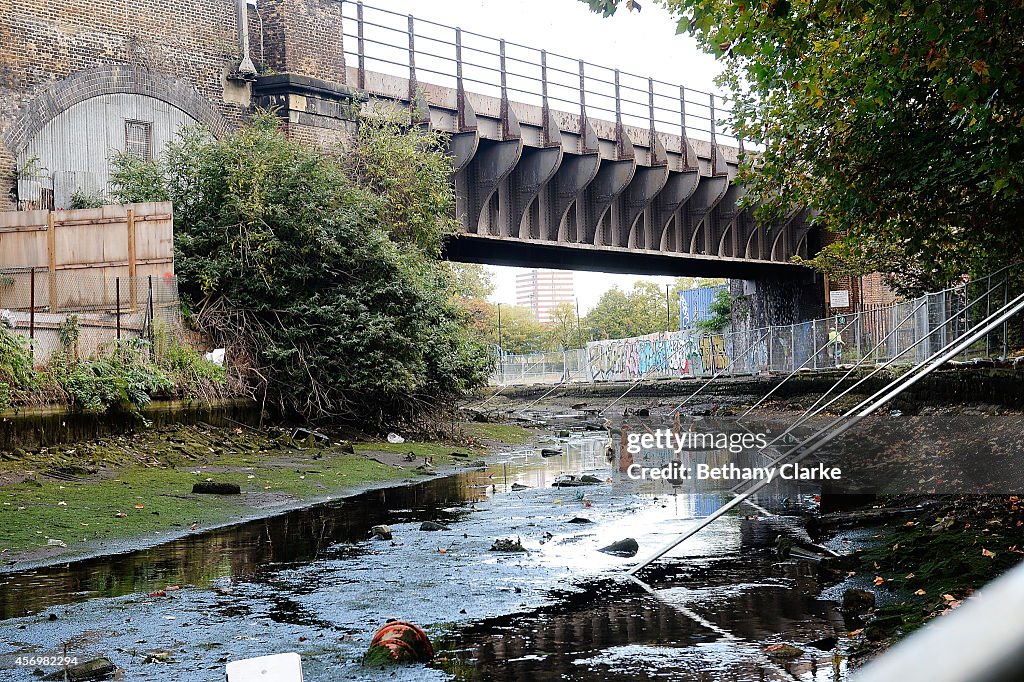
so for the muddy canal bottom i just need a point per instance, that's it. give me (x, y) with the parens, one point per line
(313, 582)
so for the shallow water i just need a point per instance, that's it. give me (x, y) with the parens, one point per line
(312, 581)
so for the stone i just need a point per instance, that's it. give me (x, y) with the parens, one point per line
(624, 548)
(520, 486)
(216, 488)
(783, 651)
(858, 601)
(432, 525)
(381, 532)
(579, 520)
(96, 669)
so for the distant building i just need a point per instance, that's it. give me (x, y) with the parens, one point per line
(542, 290)
(695, 305)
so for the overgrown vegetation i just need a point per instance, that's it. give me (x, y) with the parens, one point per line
(16, 373)
(316, 271)
(720, 313)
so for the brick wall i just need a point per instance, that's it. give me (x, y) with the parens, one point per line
(185, 48)
(304, 37)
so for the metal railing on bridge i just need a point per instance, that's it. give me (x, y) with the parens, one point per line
(426, 51)
(877, 335)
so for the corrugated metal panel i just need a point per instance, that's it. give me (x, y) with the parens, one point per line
(79, 142)
(695, 304)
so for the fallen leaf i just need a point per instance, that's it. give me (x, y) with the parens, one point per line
(920, 592)
(879, 580)
(987, 553)
(140, 506)
(158, 593)
(908, 576)
(120, 515)
(949, 597)
(855, 632)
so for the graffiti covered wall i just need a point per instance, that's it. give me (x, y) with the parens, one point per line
(662, 355)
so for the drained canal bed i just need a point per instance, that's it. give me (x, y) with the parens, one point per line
(313, 581)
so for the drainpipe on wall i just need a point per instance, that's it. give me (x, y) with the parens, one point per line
(245, 67)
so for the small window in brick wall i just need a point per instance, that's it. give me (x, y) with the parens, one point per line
(138, 139)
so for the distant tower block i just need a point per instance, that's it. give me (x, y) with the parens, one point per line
(542, 290)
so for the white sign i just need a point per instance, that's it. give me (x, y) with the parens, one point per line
(839, 298)
(278, 668)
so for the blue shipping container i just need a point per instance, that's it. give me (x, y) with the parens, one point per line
(695, 304)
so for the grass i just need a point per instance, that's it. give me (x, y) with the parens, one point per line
(503, 433)
(148, 478)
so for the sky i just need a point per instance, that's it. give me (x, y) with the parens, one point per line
(643, 43)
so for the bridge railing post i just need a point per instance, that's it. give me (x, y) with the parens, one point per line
(460, 87)
(650, 113)
(545, 108)
(583, 98)
(504, 88)
(361, 46)
(412, 60)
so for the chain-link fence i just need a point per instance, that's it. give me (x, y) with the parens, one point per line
(87, 309)
(901, 333)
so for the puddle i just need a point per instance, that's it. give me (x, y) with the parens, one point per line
(312, 581)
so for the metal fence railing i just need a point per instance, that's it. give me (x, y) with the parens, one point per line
(902, 333)
(38, 304)
(425, 51)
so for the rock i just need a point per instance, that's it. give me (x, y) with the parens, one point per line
(348, 449)
(858, 601)
(381, 532)
(564, 433)
(624, 548)
(507, 545)
(96, 669)
(431, 525)
(824, 644)
(477, 464)
(215, 488)
(578, 406)
(460, 455)
(783, 651)
(550, 452)
(579, 520)
(520, 486)
(590, 480)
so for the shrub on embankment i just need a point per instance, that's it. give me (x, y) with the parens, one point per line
(319, 272)
(124, 376)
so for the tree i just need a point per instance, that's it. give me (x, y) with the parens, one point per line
(521, 332)
(316, 272)
(472, 281)
(898, 123)
(562, 329)
(620, 314)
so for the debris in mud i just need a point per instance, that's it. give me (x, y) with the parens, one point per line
(520, 486)
(426, 469)
(312, 438)
(579, 519)
(570, 481)
(279, 667)
(783, 651)
(216, 488)
(431, 525)
(54, 542)
(507, 545)
(96, 669)
(158, 657)
(394, 438)
(624, 548)
(381, 532)
(399, 642)
(550, 452)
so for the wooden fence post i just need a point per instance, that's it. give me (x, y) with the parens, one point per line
(51, 255)
(132, 285)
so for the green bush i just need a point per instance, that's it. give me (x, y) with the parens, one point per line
(16, 373)
(123, 379)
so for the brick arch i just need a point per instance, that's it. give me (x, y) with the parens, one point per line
(107, 79)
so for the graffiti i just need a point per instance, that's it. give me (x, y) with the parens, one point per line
(664, 355)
